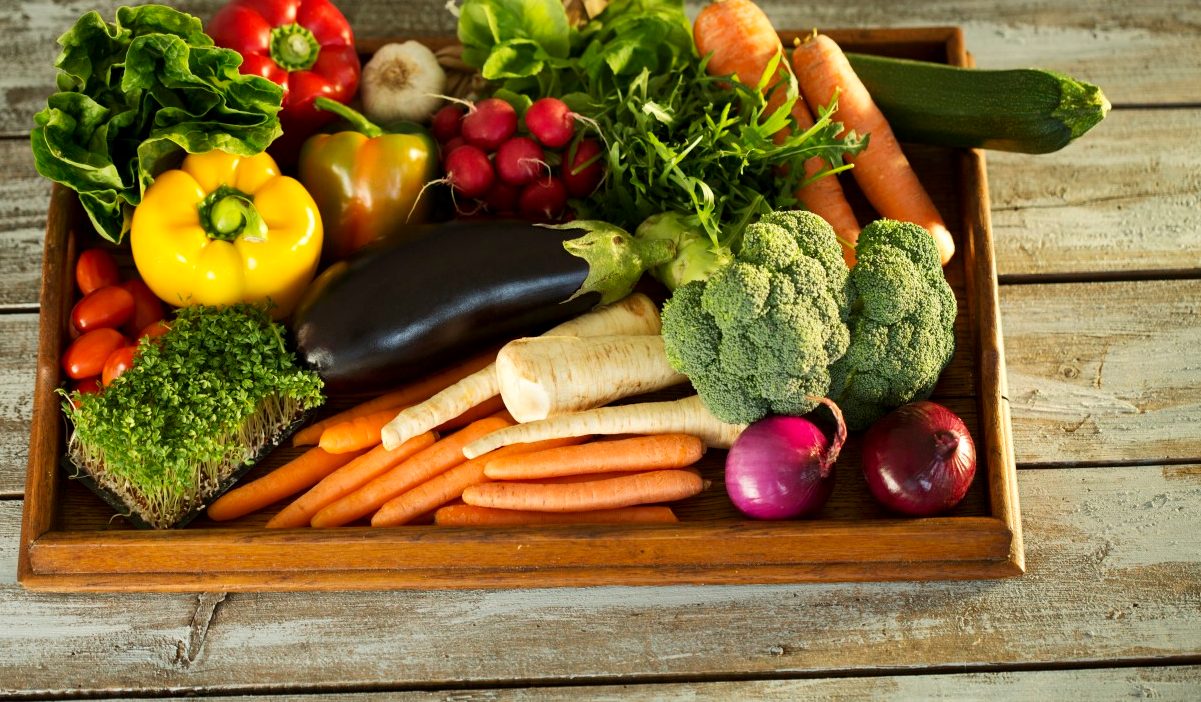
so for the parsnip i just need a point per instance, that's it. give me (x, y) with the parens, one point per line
(686, 416)
(545, 376)
(634, 314)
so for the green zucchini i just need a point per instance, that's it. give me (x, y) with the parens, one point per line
(1025, 110)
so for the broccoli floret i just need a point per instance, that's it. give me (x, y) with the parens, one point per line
(760, 334)
(902, 323)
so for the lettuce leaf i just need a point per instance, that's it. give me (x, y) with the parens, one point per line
(134, 96)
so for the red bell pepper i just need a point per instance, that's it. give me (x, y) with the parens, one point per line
(306, 46)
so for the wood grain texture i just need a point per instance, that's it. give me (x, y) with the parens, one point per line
(1125, 197)
(24, 196)
(18, 349)
(1115, 573)
(1104, 372)
(1160, 683)
(1139, 54)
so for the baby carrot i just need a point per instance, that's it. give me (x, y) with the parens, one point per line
(300, 473)
(449, 485)
(661, 451)
(611, 493)
(345, 480)
(356, 433)
(881, 169)
(418, 468)
(399, 398)
(470, 515)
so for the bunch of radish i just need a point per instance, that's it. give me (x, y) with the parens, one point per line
(495, 165)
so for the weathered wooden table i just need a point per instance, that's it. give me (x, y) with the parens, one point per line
(1099, 250)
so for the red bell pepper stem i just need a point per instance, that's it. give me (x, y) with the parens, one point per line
(360, 123)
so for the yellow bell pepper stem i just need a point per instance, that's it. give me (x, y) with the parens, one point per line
(223, 229)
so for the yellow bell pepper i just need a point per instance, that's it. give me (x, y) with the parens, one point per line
(223, 229)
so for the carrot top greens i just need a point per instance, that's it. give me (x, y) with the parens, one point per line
(204, 400)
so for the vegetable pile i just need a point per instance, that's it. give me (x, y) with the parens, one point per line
(704, 154)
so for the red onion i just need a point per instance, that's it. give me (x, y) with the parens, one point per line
(782, 467)
(919, 459)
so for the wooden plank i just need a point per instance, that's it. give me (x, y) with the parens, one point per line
(18, 352)
(1104, 372)
(1126, 197)
(26, 196)
(1114, 573)
(1160, 683)
(1146, 56)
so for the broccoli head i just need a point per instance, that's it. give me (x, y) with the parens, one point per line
(902, 323)
(760, 334)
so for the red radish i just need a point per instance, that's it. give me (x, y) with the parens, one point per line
(450, 145)
(491, 122)
(444, 125)
(502, 198)
(551, 122)
(469, 171)
(519, 160)
(543, 199)
(584, 168)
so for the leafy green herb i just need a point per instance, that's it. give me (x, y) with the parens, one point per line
(676, 139)
(137, 94)
(207, 398)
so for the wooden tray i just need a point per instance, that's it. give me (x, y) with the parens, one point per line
(71, 541)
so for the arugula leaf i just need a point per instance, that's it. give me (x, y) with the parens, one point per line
(134, 96)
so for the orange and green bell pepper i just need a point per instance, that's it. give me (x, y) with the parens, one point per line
(367, 182)
(223, 229)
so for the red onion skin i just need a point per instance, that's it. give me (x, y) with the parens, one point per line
(775, 470)
(919, 459)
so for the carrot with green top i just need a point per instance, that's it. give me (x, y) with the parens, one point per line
(740, 40)
(418, 468)
(470, 515)
(881, 170)
(301, 473)
(346, 480)
(610, 493)
(656, 452)
(449, 485)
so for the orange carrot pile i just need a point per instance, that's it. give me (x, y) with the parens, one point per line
(470, 515)
(299, 474)
(661, 451)
(609, 493)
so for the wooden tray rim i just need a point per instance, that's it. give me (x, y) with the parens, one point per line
(967, 547)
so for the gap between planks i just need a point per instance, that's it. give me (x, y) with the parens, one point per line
(647, 681)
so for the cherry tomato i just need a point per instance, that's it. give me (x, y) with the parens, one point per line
(117, 363)
(86, 355)
(147, 308)
(108, 307)
(154, 330)
(95, 269)
(88, 386)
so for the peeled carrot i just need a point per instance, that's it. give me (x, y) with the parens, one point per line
(346, 480)
(686, 416)
(881, 170)
(743, 42)
(611, 493)
(418, 468)
(399, 398)
(449, 485)
(470, 515)
(661, 451)
(300, 473)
